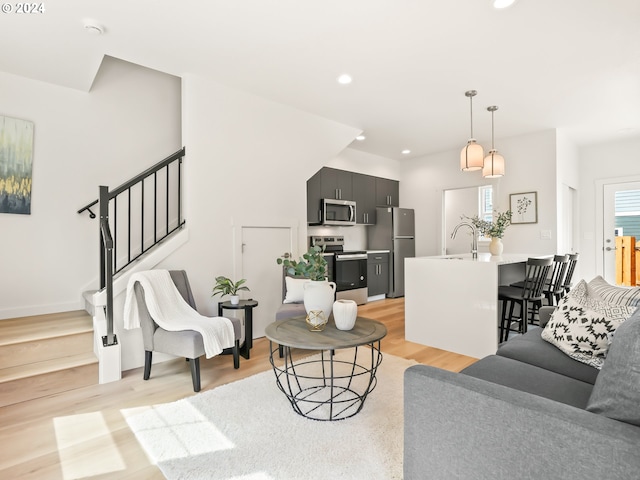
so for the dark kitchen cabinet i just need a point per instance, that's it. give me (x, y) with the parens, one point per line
(337, 184)
(387, 192)
(367, 191)
(364, 194)
(314, 198)
(378, 273)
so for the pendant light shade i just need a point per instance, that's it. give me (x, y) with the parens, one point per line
(494, 162)
(472, 155)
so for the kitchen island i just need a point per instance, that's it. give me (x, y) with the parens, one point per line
(451, 301)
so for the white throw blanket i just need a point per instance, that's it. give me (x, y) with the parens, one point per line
(171, 312)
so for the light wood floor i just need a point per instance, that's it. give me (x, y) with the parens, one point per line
(83, 433)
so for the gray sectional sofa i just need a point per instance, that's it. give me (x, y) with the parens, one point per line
(527, 412)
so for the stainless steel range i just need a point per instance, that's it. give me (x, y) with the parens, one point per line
(348, 269)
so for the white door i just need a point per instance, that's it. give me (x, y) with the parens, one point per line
(608, 226)
(261, 246)
(568, 222)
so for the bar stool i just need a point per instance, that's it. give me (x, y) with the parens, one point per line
(573, 260)
(554, 286)
(529, 296)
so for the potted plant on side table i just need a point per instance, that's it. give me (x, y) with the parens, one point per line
(226, 286)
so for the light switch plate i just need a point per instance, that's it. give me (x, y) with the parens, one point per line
(545, 234)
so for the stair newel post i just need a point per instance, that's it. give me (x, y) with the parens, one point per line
(106, 264)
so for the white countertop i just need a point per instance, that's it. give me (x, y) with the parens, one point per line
(503, 259)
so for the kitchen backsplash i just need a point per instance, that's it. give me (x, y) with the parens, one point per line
(355, 237)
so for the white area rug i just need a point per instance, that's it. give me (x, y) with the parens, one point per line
(247, 430)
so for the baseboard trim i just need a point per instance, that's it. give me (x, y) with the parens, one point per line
(40, 309)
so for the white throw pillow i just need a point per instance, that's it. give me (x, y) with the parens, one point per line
(295, 289)
(614, 293)
(584, 332)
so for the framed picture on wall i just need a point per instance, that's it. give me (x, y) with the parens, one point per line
(16, 160)
(524, 207)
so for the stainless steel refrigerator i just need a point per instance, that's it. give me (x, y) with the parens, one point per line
(394, 231)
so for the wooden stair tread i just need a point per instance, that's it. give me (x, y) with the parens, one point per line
(37, 327)
(47, 366)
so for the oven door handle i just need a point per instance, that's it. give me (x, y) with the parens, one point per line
(353, 256)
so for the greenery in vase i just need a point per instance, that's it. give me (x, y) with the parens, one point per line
(226, 286)
(311, 265)
(493, 229)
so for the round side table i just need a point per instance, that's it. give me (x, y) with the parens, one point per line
(247, 306)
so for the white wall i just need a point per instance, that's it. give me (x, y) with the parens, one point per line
(612, 160)
(530, 167)
(128, 121)
(367, 163)
(248, 160)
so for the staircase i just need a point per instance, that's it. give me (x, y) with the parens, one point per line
(46, 354)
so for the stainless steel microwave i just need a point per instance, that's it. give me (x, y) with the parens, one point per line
(338, 212)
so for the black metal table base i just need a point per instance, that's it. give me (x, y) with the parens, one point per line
(327, 388)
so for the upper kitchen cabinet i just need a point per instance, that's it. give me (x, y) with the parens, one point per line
(314, 199)
(336, 184)
(364, 194)
(367, 191)
(327, 183)
(387, 192)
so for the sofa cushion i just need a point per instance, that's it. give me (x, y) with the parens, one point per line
(294, 289)
(531, 379)
(616, 393)
(532, 349)
(585, 333)
(288, 310)
(615, 294)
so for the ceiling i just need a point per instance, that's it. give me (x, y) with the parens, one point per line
(571, 64)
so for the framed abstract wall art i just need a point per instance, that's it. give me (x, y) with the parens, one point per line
(524, 207)
(16, 161)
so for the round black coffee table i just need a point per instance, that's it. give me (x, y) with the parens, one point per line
(333, 384)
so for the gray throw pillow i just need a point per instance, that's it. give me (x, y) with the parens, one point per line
(616, 393)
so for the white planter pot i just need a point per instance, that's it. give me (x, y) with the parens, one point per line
(319, 295)
(235, 299)
(496, 246)
(345, 313)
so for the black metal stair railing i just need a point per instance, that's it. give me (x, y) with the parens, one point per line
(134, 218)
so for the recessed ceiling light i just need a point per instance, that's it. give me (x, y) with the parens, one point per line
(406, 151)
(502, 3)
(93, 28)
(345, 79)
(360, 138)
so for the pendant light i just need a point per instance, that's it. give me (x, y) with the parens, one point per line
(494, 162)
(472, 155)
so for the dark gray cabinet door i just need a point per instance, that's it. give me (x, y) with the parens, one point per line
(337, 184)
(378, 274)
(387, 192)
(364, 194)
(314, 198)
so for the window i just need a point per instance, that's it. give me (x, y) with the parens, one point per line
(628, 213)
(486, 203)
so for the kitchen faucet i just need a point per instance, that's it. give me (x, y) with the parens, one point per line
(474, 240)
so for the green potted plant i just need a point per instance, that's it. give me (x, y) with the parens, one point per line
(318, 293)
(311, 265)
(494, 230)
(226, 286)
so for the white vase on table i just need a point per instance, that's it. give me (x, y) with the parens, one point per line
(319, 295)
(496, 246)
(345, 313)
